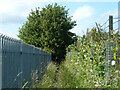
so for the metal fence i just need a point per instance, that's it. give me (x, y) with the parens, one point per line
(18, 60)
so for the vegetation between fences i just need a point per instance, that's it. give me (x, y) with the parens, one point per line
(86, 65)
(84, 68)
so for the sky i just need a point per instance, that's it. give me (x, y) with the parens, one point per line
(14, 13)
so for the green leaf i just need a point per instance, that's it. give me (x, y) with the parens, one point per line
(49, 28)
(114, 55)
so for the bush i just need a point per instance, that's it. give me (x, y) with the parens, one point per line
(84, 68)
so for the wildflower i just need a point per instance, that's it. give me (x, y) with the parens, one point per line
(83, 50)
(77, 60)
(84, 55)
(90, 70)
(92, 75)
(95, 45)
(116, 71)
(78, 57)
(95, 82)
(71, 60)
(113, 62)
(96, 85)
(76, 63)
(108, 61)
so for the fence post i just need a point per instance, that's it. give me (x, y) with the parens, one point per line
(118, 67)
(21, 63)
(110, 26)
(34, 58)
(0, 62)
(119, 57)
(110, 47)
(109, 52)
(118, 42)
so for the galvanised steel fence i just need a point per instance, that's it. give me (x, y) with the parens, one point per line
(18, 61)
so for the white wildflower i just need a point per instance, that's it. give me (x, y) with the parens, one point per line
(77, 60)
(92, 75)
(113, 62)
(96, 82)
(108, 61)
(76, 63)
(96, 85)
(84, 55)
(83, 50)
(90, 70)
(78, 57)
(71, 60)
(95, 45)
(116, 71)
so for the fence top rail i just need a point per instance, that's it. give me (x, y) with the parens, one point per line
(5, 37)
(9, 38)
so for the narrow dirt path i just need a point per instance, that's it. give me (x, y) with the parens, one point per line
(56, 73)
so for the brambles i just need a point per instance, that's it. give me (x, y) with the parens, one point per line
(85, 66)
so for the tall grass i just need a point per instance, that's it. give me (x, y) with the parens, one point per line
(82, 69)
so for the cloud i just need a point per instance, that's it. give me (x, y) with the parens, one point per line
(17, 10)
(13, 19)
(89, 22)
(83, 13)
(101, 19)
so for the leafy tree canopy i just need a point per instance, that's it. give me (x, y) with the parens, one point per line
(49, 29)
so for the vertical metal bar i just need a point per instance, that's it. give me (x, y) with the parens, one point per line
(119, 17)
(118, 43)
(21, 63)
(110, 46)
(110, 26)
(0, 62)
(10, 47)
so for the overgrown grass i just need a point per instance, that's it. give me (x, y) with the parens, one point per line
(82, 69)
(48, 79)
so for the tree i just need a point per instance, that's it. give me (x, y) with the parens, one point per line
(49, 29)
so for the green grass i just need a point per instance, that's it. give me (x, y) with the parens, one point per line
(78, 71)
(48, 79)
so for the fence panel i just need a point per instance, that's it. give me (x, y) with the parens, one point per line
(18, 61)
(0, 61)
(110, 61)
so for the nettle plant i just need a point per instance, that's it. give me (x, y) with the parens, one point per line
(87, 63)
(87, 60)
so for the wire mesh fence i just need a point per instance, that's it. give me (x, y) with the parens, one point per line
(18, 60)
